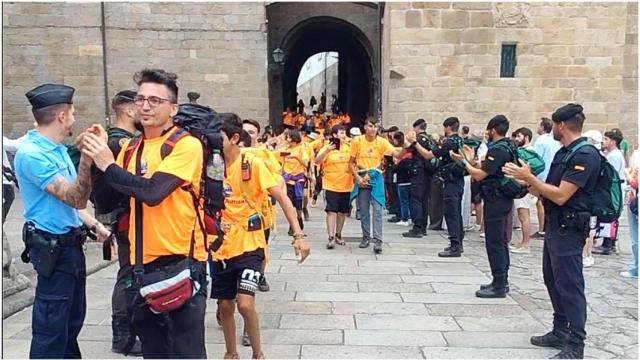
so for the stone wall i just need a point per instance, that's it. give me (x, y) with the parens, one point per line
(217, 49)
(315, 87)
(444, 59)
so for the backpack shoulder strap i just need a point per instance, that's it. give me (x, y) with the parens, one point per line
(134, 143)
(573, 150)
(177, 134)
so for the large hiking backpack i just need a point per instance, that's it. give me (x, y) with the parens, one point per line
(606, 202)
(509, 187)
(202, 123)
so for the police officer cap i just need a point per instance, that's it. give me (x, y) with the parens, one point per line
(566, 112)
(497, 120)
(50, 94)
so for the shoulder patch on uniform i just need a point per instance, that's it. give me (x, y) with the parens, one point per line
(122, 141)
(489, 157)
(578, 168)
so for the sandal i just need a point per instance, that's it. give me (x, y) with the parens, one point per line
(231, 356)
(331, 243)
(339, 240)
(259, 356)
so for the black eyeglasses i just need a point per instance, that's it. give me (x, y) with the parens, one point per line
(152, 100)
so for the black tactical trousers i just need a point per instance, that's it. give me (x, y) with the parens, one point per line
(417, 196)
(496, 227)
(453, 211)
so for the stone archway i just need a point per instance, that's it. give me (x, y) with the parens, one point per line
(351, 29)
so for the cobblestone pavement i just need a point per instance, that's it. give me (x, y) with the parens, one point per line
(403, 303)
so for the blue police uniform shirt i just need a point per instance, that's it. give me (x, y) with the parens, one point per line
(37, 163)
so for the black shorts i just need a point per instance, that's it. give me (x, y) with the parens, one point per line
(240, 275)
(291, 193)
(337, 202)
(476, 196)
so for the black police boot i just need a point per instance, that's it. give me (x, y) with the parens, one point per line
(450, 252)
(573, 349)
(605, 248)
(497, 289)
(413, 233)
(120, 341)
(486, 286)
(555, 339)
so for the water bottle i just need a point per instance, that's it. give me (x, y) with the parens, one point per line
(215, 167)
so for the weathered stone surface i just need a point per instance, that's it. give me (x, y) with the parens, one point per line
(364, 352)
(347, 296)
(486, 353)
(405, 322)
(378, 308)
(489, 339)
(393, 338)
(320, 322)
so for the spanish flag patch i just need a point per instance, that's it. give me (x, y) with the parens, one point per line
(578, 167)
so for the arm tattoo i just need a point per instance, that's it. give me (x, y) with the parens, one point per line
(75, 193)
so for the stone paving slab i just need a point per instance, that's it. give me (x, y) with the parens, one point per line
(485, 353)
(379, 308)
(405, 322)
(490, 339)
(452, 299)
(347, 296)
(360, 352)
(320, 322)
(393, 338)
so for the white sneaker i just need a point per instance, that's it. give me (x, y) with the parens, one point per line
(521, 250)
(588, 261)
(403, 223)
(627, 274)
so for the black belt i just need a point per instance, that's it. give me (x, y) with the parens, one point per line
(75, 237)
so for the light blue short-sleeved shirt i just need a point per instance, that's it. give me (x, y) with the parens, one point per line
(546, 146)
(37, 163)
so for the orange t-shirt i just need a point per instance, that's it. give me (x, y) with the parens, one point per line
(369, 154)
(336, 172)
(234, 222)
(287, 118)
(293, 166)
(167, 227)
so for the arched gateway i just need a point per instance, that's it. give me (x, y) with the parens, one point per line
(301, 30)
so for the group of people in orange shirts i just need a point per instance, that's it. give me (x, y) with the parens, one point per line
(318, 121)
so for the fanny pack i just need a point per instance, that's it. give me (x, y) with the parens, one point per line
(170, 286)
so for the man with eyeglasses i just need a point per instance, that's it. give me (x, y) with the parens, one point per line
(163, 215)
(114, 213)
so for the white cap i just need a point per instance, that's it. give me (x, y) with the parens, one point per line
(355, 131)
(594, 137)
